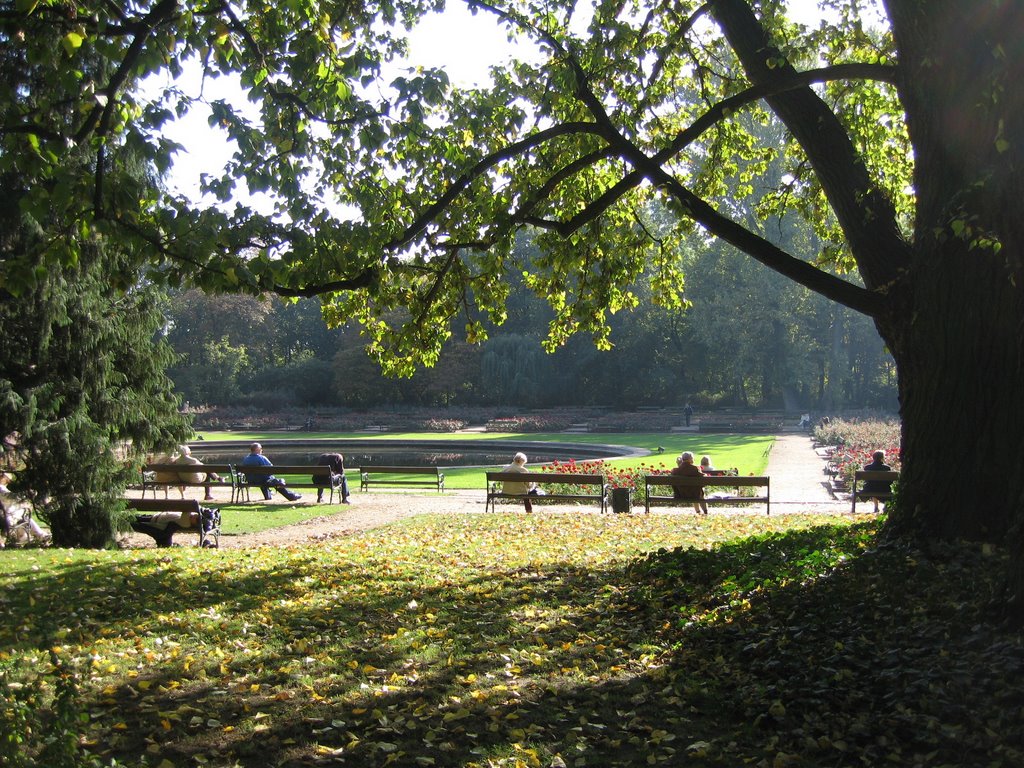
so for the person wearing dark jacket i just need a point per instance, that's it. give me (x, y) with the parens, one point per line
(685, 467)
(337, 464)
(877, 486)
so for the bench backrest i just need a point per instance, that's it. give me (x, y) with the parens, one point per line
(163, 505)
(189, 469)
(874, 474)
(545, 477)
(314, 470)
(401, 470)
(730, 481)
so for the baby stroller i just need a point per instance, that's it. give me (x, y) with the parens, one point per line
(209, 527)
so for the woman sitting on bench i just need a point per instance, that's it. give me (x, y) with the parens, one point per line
(685, 468)
(519, 465)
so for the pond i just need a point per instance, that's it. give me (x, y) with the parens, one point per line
(453, 453)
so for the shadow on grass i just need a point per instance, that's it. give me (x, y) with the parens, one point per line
(804, 648)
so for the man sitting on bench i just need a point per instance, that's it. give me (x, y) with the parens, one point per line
(265, 482)
(876, 486)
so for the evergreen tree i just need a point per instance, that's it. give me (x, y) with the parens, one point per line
(83, 395)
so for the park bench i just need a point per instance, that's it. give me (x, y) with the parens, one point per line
(427, 477)
(652, 483)
(317, 476)
(495, 480)
(150, 473)
(208, 527)
(864, 475)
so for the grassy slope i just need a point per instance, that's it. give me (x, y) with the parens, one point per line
(510, 640)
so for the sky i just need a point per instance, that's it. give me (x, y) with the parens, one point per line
(463, 44)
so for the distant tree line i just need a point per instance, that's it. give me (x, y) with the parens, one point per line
(749, 338)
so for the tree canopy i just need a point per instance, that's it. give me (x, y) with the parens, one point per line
(406, 195)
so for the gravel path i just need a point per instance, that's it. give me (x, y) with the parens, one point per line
(798, 485)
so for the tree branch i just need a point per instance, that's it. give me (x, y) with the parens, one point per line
(792, 81)
(460, 184)
(363, 279)
(773, 257)
(866, 215)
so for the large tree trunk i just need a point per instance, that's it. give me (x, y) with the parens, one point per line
(951, 304)
(961, 402)
(957, 329)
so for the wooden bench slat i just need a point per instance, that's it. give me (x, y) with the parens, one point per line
(714, 481)
(385, 475)
(870, 474)
(494, 492)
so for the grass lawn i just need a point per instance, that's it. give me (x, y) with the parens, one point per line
(748, 453)
(256, 517)
(506, 640)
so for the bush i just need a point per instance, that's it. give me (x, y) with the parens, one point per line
(41, 732)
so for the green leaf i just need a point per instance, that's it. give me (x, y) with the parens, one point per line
(72, 42)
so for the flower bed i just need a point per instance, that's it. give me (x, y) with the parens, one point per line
(531, 422)
(853, 443)
(616, 478)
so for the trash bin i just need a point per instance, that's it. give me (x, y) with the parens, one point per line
(622, 500)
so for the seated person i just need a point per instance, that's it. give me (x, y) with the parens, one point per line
(686, 468)
(337, 464)
(519, 465)
(265, 482)
(876, 486)
(186, 457)
(166, 479)
(16, 518)
(707, 469)
(163, 525)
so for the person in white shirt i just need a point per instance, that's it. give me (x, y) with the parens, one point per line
(518, 465)
(18, 521)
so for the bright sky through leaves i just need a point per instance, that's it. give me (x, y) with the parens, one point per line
(465, 45)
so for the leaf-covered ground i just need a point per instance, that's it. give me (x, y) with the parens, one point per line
(543, 640)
